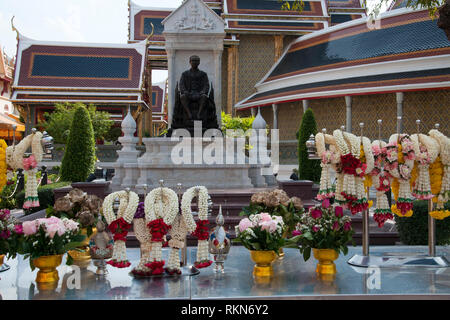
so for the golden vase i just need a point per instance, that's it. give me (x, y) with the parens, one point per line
(47, 277)
(326, 259)
(2, 257)
(263, 262)
(82, 256)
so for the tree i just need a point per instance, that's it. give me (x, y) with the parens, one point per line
(58, 123)
(79, 158)
(433, 6)
(307, 169)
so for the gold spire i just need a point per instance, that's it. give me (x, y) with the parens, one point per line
(14, 28)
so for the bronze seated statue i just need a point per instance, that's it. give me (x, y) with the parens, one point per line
(194, 101)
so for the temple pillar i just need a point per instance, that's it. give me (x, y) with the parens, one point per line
(305, 105)
(275, 116)
(278, 40)
(399, 98)
(348, 114)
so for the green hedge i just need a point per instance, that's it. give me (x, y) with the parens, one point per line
(307, 169)
(46, 196)
(79, 158)
(414, 230)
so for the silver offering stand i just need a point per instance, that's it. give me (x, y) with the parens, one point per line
(221, 249)
(394, 259)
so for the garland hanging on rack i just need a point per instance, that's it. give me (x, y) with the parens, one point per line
(380, 179)
(119, 224)
(400, 158)
(16, 159)
(161, 210)
(426, 150)
(329, 158)
(200, 228)
(353, 171)
(444, 193)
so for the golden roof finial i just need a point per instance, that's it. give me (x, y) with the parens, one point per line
(151, 34)
(14, 28)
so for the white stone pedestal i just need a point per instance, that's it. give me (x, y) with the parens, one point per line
(159, 163)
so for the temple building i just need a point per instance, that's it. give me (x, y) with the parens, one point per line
(257, 33)
(397, 66)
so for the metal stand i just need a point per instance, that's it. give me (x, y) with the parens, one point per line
(400, 259)
(4, 267)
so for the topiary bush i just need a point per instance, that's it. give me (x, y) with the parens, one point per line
(414, 230)
(46, 196)
(79, 158)
(307, 169)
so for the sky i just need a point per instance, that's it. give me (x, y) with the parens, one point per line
(96, 21)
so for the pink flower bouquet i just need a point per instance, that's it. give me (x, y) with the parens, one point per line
(261, 232)
(50, 236)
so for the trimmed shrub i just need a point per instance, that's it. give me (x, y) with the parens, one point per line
(45, 194)
(414, 230)
(307, 169)
(79, 158)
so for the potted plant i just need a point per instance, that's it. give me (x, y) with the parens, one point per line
(10, 232)
(276, 203)
(44, 242)
(262, 234)
(327, 231)
(82, 208)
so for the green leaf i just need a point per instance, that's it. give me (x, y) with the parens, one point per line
(69, 261)
(306, 253)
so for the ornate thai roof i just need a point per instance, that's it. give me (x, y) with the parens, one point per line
(251, 16)
(48, 72)
(158, 101)
(405, 51)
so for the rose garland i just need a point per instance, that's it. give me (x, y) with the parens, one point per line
(161, 210)
(15, 160)
(426, 150)
(120, 224)
(328, 157)
(353, 171)
(400, 158)
(444, 193)
(201, 229)
(380, 179)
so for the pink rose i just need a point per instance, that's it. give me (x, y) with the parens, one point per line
(326, 203)
(347, 226)
(265, 216)
(316, 213)
(52, 220)
(29, 228)
(18, 228)
(335, 226)
(244, 224)
(296, 233)
(52, 229)
(339, 212)
(270, 226)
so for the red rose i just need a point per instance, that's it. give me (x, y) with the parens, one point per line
(201, 232)
(120, 229)
(158, 229)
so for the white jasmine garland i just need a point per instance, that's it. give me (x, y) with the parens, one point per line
(129, 202)
(160, 203)
(202, 195)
